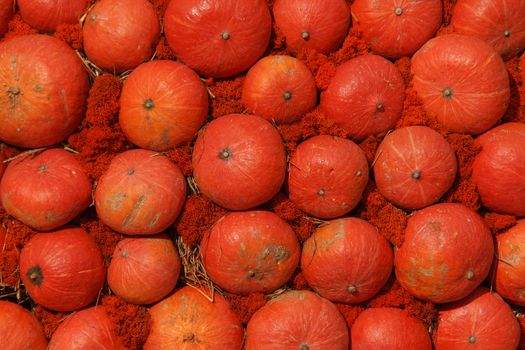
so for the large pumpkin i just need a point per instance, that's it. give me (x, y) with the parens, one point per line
(218, 38)
(19, 329)
(188, 320)
(396, 28)
(446, 254)
(462, 82)
(45, 191)
(327, 176)
(497, 168)
(163, 104)
(297, 320)
(47, 15)
(248, 252)
(239, 161)
(141, 193)
(365, 97)
(45, 90)
(346, 260)
(7, 10)
(62, 270)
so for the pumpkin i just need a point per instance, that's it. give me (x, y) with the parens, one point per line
(312, 24)
(480, 321)
(279, 88)
(496, 169)
(388, 328)
(144, 270)
(297, 320)
(163, 104)
(218, 38)
(19, 329)
(46, 88)
(346, 260)
(189, 320)
(414, 167)
(45, 191)
(62, 270)
(500, 23)
(327, 176)
(250, 252)
(397, 28)
(7, 10)
(118, 35)
(462, 82)
(239, 161)
(446, 254)
(365, 97)
(47, 15)
(86, 329)
(141, 193)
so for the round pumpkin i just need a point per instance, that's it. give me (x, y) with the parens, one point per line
(297, 320)
(218, 38)
(509, 280)
(365, 97)
(312, 24)
(414, 167)
(462, 82)
(397, 28)
(500, 23)
(46, 191)
(144, 270)
(250, 252)
(189, 320)
(162, 105)
(480, 321)
(141, 193)
(47, 15)
(19, 329)
(446, 254)
(45, 93)
(388, 328)
(279, 88)
(239, 161)
(62, 270)
(86, 329)
(7, 10)
(497, 168)
(327, 176)
(346, 260)
(119, 35)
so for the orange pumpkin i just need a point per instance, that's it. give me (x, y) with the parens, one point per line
(19, 329)
(47, 15)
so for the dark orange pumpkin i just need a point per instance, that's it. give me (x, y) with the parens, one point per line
(279, 88)
(414, 167)
(346, 260)
(7, 10)
(163, 104)
(19, 329)
(297, 320)
(327, 176)
(45, 93)
(218, 38)
(47, 15)
(314, 24)
(239, 161)
(188, 320)
(462, 82)
(249, 252)
(447, 253)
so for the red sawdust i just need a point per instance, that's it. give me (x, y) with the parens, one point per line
(71, 34)
(403, 65)
(349, 312)
(246, 306)
(50, 320)
(369, 147)
(226, 96)
(18, 27)
(298, 282)
(132, 322)
(516, 109)
(181, 156)
(163, 51)
(499, 223)
(448, 7)
(106, 238)
(302, 226)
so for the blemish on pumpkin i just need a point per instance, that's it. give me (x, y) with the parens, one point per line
(42, 168)
(117, 200)
(132, 215)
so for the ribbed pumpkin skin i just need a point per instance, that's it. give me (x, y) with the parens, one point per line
(297, 319)
(19, 329)
(500, 23)
(496, 169)
(47, 89)
(47, 15)
(480, 321)
(462, 82)
(188, 320)
(347, 260)
(218, 38)
(397, 28)
(447, 253)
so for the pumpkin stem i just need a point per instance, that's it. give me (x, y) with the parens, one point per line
(359, 173)
(506, 33)
(131, 172)
(321, 192)
(470, 275)
(251, 274)
(42, 168)
(398, 11)
(148, 104)
(380, 107)
(305, 35)
(35, 275)
(13, 90)
(447, 93)
(304, 347)
(189, 337)
(225, 35)
(352, 289)
(416, 174)
(287, 95)
(472, 339)
(225, 154)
